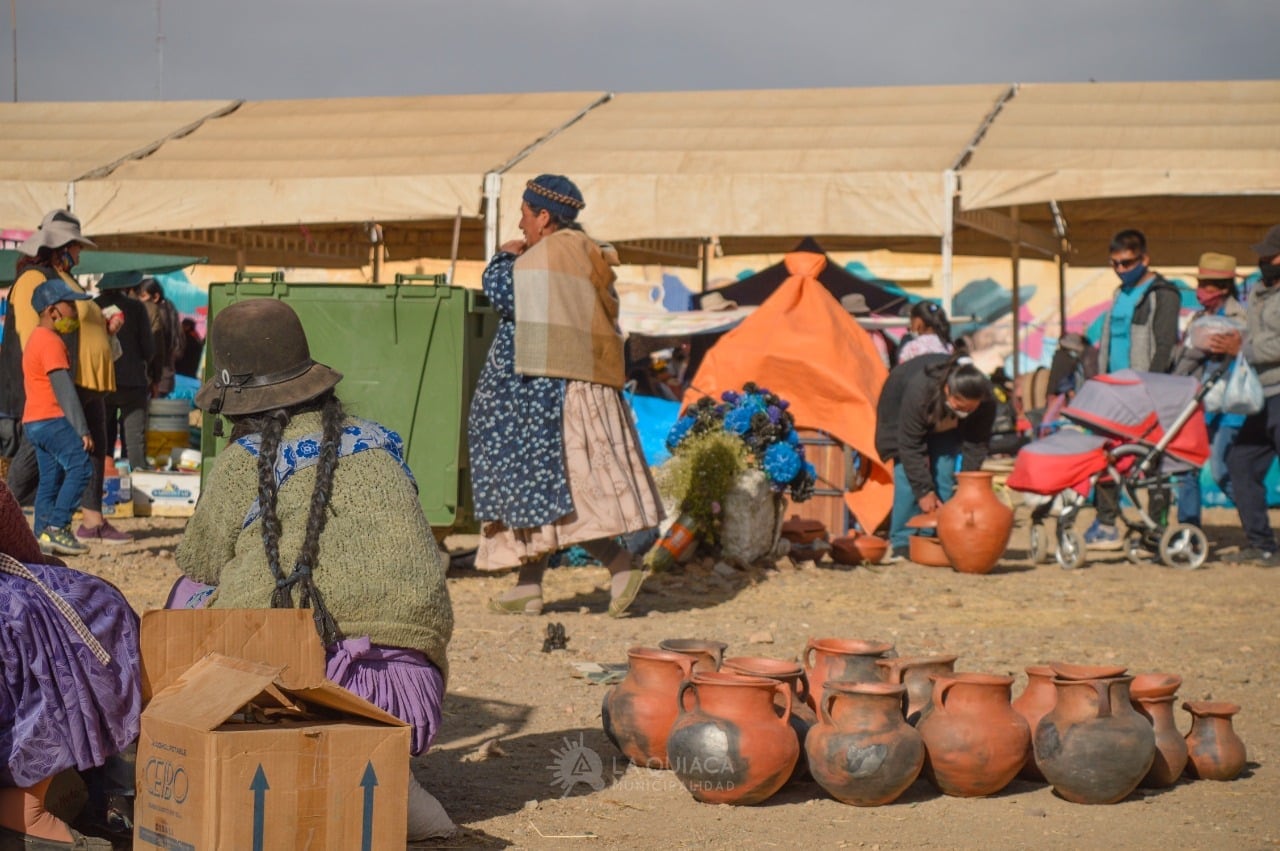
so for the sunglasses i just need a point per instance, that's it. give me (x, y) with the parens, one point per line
(1126, 264)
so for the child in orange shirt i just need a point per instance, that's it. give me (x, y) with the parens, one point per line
(53, 420)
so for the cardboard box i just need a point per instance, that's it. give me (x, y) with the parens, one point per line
(238, 754)
(165, 494)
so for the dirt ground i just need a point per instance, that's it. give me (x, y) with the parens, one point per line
(1216, 627)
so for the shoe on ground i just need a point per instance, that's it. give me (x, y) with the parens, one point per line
(60, 542)
(104, 534)
(896, 555)
(1100, 537)
(1253, 555)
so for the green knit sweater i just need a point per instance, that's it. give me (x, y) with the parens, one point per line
(378, 568)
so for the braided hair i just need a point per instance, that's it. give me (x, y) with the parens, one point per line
(270, 425)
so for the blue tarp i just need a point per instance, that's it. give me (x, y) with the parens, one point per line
(654, 419)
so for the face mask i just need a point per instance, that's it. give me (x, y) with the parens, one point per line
(1270, 271)
(66, 324)
(958, 414)
(1132, 276)
(1210, 298)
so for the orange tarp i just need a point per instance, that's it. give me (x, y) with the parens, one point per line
(802, 345)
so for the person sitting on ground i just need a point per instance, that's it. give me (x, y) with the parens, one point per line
(933, 411)
(931, 332)
(70, 697)
(53, 420)
(310, 507)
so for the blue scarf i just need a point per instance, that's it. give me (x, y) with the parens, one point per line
(302, 452)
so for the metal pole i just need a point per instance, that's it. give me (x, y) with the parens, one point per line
(949, 188)
(1062, 296)
(1016, 256)
(492, 192)
(708, 250)
(457, 237)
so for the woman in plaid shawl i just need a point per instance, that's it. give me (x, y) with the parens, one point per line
(555, 459)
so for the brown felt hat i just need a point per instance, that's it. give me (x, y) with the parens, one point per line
(261, 361)
(1216, 267)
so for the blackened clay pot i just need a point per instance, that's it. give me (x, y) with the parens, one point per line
(862, 751)
(638, 712)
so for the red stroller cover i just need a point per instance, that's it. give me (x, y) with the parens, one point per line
(1064, 459)
(1141, 407)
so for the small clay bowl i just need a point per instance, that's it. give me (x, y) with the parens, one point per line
(857, 549)
(923, 521)
(1069, 671)
(707, 654)
(927, 550)
(1154, 685)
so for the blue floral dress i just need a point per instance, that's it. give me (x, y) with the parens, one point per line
(515, 431)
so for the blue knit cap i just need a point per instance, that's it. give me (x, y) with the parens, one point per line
(556, 194)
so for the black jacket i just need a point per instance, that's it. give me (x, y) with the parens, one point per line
(137, 346)
(904, 422)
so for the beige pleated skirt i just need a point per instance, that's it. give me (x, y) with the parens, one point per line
(612, 489)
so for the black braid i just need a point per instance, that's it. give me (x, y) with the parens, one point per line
(317, 516)
(271, 429)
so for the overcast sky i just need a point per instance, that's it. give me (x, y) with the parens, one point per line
(265, 49)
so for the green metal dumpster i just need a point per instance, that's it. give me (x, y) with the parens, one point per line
(410, 354)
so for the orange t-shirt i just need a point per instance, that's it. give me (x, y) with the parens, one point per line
(43, 353)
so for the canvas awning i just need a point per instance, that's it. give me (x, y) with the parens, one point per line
(1195, 165)
(104, 262)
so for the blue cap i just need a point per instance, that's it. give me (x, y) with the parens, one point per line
(556, 194)
(53, 291)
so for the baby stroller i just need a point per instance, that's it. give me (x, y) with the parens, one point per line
(1144, 430)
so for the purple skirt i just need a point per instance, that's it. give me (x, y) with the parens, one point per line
(61, 706)
(403, 683)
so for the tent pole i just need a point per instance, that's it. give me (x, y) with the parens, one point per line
(375, 232)
(1016, 257)
(707, 251)
(948, 235)
(453, 252)
(1062, 296)
(492, 192)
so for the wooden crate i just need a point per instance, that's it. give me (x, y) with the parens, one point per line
(833, 462)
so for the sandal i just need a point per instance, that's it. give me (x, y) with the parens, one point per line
(618, 605)
(531, 605)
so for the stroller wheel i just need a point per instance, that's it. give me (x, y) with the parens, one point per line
(1133, 549)
(1184, 547)
(1039, 544)
(1070, 553)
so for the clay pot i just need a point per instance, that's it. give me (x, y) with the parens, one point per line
(802, 532)
(1153, 696)
(1093, 746)
(1154, 685)
(1033, 704)
(861, 750)
(802, 717)
(1214, 751)
(859, 549)
(1069, 671)
(705, 653)
(848, 659)
(916, 673)
(638, 712)
(728, 745)
(974, 741)
(974, 525)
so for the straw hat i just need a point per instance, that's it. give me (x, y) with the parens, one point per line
(59, 228)
(856, 303)
(717, 301)
(261, 361)
(1216, 267)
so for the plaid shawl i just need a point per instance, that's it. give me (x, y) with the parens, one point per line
(567, 310)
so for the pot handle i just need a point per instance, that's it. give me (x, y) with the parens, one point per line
(940, 689)
(1103, 688)
(824, 708)
(685, 687)
(803, 691)
(809, 648)
(786, 692)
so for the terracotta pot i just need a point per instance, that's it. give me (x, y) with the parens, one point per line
(861, 750)
(927, 550)
(801, 531)
(1154, 685)
(974, 525)
(974, 741)
(859, 549)
(848, 659)
(1069, 671)
(1093, 746)
(728, 745)
(706, 654)
(1214, 751)
(791, 673)
(1033, 704)
(638, 712)
(1171, 747)
(916, 673)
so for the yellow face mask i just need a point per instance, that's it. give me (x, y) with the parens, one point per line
(67, 324)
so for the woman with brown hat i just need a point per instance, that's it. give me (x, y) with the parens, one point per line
(70, 694)
(53, 250)
(555, 459)
(310, 507)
